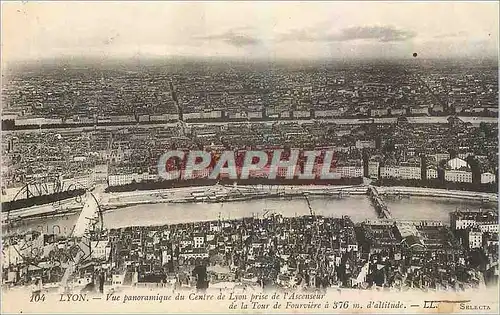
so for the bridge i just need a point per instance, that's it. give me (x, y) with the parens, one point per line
(84, 227)
(380, 206)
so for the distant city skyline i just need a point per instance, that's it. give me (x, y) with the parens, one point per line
(249, 30)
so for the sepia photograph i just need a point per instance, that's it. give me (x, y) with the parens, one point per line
(249, 157)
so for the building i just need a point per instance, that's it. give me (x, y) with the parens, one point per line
(100, 249)
(463, 223)
(475, 239)
(361, 144)
(437, 108)
(189, 116)
(373, 168)
(165, 117)
(350, 171)
(328, 113)
(398, 111)
(198, 240)
(196, 253)
(165, 257)
(117, 279)
(285, 114)
(410, 236)
(461, 220)
(236, 115)
(125, 179)
(214, 114)
(419, 110)
(457, 163)
(487, 178)
(301, 114)
(389, 172)
(458, 176)
(254, 115)
(488, 228)
(431, 173)
(401, 172)
(440, 156)
(378, 112)
(410, 172)
(12, 256)
(413, 242)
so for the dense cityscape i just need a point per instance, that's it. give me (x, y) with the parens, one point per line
(417, 123)
(407, 128)
(274, 251)
(249, 157)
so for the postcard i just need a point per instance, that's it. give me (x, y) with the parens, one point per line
(249, 157)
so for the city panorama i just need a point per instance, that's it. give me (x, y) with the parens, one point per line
(355, 158)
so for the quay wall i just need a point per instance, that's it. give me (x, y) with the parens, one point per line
(434, 192)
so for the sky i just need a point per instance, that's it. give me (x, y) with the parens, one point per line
(269, 30)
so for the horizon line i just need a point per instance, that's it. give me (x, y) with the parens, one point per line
(135, 59)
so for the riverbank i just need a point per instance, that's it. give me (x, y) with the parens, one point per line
(219, 194)
(41, 123)
(236, 193)
(437, 193)
(223, 194)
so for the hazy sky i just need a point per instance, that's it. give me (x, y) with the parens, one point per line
(33, 30)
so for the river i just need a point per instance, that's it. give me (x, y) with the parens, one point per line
(357, 207)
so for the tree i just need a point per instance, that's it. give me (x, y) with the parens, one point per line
(485, 129)
(200, 271)
(475, 168)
